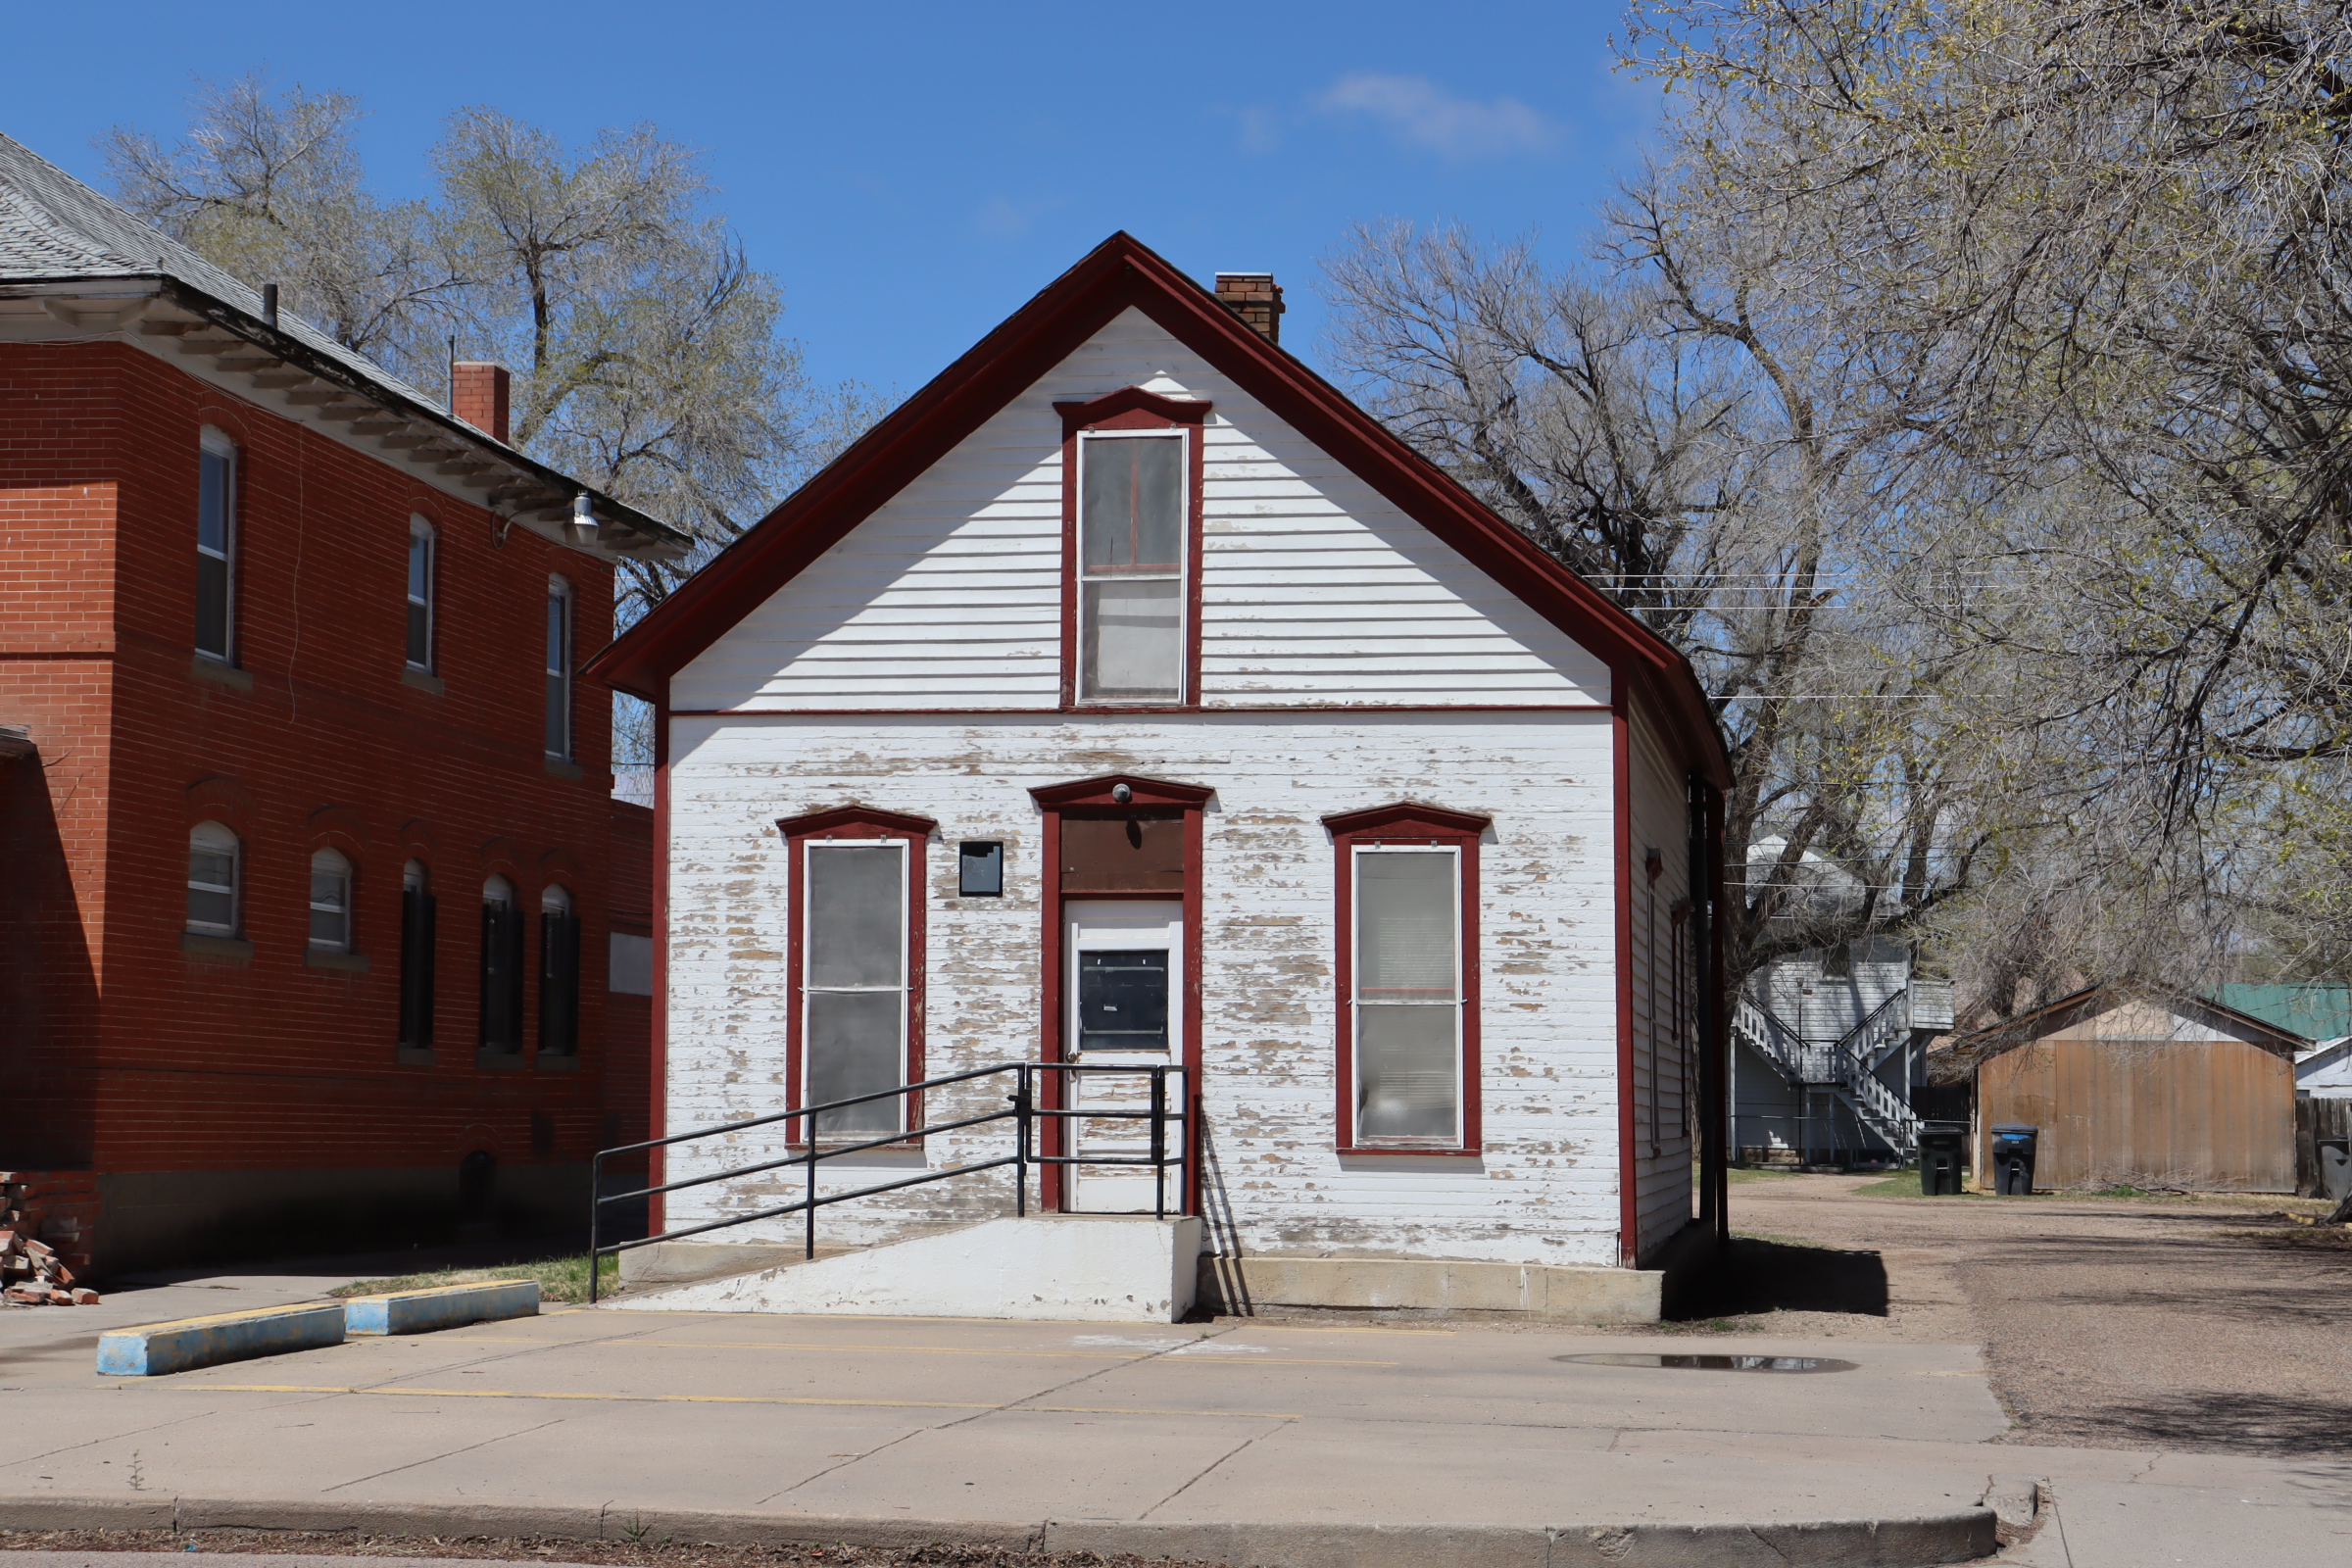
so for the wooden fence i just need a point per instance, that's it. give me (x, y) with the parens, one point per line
(2316, 1119)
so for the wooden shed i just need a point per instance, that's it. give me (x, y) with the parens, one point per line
(2153, 1088)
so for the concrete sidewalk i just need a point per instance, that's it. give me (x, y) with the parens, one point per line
(1267, 1443)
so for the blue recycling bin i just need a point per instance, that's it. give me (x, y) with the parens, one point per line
(2014, 1147)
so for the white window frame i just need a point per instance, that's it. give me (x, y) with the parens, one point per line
(560, 608)
(422, 530)
(234, 889)
(350, 876)
(1182, 576)
(220, 443)
(1355, 998)
(904, 986)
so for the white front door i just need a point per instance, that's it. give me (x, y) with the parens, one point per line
(1124, 1002)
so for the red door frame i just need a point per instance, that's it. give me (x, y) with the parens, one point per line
(1093, 797)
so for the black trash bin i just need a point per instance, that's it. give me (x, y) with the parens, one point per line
(2014, 1146)
(1943, 1153)
(2335, 1168)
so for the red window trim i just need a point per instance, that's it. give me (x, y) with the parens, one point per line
(1084, 797)
(855, 822)
(1405, 823)
(1132, 408)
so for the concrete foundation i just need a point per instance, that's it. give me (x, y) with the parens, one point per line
(1240, 1286)
(1064, 1267)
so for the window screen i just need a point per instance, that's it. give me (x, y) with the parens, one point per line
(1407, 996)
(1131, 568)
(559, 974)
(215, 542)
(854, 981)
(502, 968)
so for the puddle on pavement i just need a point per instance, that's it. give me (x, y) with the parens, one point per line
(1715, 1364)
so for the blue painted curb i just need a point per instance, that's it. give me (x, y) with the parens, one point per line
(443, 1306)
(155, 1349)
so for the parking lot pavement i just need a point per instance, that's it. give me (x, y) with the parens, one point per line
(1177, 1439)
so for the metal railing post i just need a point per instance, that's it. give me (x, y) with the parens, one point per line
(596, 1213)
(1020, 1143)
(1159, 1143)
(810, 1134)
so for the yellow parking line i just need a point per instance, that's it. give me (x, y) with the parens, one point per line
(1184, 1354)
(722, 1399)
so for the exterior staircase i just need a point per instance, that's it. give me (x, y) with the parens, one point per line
(1846, 1068)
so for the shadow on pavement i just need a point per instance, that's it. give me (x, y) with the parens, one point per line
(2276, 1426)
(1757, 1275)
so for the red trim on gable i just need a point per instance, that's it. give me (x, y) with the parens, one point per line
(657, 1160)
(1118, 275)
(1144, 792)
(820, 825)
(1406, 818)
(1131, 408)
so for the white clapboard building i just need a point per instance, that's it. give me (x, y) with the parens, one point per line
(1130, 698)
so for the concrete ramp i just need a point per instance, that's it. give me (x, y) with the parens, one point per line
(1090, 1268)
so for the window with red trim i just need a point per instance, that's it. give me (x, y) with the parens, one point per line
(1407, 972)
(855, 968)
(1132, 478)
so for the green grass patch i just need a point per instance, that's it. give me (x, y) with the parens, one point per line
(561, 1278)
(1902, 1184)
(1783, 1241)
(1755, 1173)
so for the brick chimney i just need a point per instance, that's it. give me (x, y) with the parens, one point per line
(478, 395)
(1257, 299)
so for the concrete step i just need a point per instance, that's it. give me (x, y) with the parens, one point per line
(1094, 1268)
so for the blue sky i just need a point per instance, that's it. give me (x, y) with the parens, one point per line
(912, 173)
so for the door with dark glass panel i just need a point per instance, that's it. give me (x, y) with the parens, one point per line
(1124, 996)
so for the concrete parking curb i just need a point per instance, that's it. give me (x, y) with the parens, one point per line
(440, 1306)
(1927, 1541)
(155, 1350)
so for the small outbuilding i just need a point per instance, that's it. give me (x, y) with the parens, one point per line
(2151, 1087)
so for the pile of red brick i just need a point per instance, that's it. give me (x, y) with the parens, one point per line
(34, 1273)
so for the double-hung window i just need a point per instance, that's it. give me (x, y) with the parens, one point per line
(1133, 501)
(213, 854)
(856, 967)
(421, 594)
(418, 919)
(1408, 977)
(558, 973)
(330, 901)
(216, 548)
(558, 668)
(500, 970)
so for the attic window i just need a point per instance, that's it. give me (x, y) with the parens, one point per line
(1130, 566)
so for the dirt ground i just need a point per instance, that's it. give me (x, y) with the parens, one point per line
(2207, 1325)
(596, 1554)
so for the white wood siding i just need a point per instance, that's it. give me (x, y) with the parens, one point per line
(1314, 589)
(1544, 1190)
(1664, 1067)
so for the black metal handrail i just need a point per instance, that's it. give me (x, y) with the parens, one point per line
(1022, 1111)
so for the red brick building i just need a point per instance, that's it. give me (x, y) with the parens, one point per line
(318, 924)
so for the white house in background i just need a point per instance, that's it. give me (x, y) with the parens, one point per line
(1130, 696)
(2324, 1071)
(1829, 1046)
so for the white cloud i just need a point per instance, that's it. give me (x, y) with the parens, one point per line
(1421, 114)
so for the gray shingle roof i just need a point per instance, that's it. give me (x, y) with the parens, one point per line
(54, 228)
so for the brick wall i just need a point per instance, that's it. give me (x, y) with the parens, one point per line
(153, 1059)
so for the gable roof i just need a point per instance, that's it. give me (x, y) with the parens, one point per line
(55, 230)
(1122, 274)
(1953, 1064)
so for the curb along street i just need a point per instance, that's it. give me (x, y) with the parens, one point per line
(1922, 1542)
